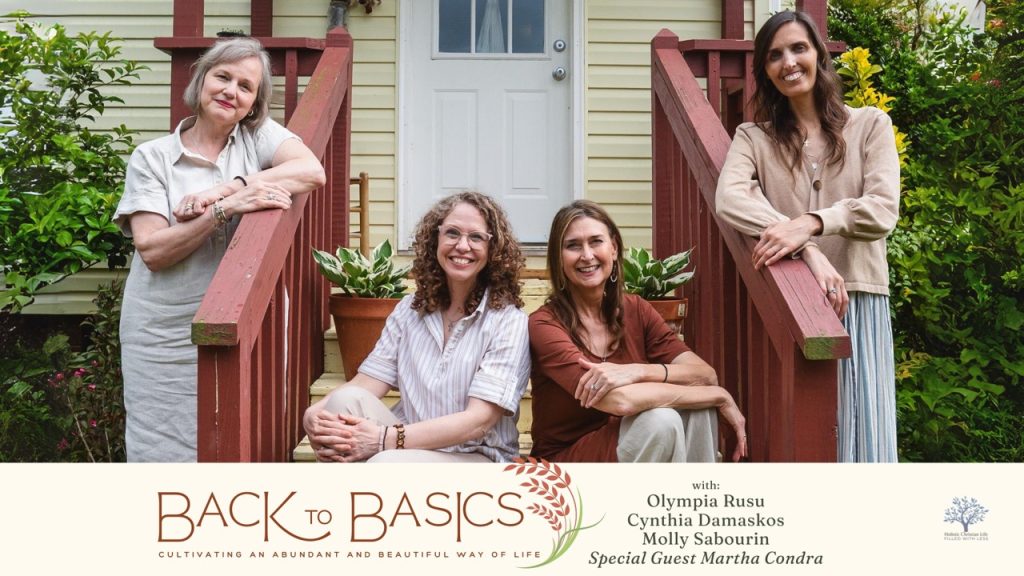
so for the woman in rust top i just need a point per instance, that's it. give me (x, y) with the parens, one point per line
(611, 381)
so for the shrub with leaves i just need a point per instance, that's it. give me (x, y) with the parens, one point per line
(855, 67)
(651, 278)
(357, 275)
(59, 180)
(60, 405)
(957, 255)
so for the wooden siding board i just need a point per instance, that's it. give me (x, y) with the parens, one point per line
(616, 100)
(374, 74)
(653, 10)
(616, 123)
(619, 77)
(608, 192)
(374, 144)
(374, 97)
(372, 121)
(619, 169)
(641, 32)
(619, 146)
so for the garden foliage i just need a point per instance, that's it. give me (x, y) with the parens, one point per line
(59, 180)
(60, 405)
(956, 255)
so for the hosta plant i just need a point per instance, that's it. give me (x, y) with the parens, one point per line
(357, 275)
(651, 278)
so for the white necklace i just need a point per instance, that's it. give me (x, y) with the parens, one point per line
(813, 159)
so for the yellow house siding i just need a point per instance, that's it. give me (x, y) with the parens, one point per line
(374, 118)
(618, 100)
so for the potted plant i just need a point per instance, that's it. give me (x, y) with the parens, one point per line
(370, 290)
(656, 281)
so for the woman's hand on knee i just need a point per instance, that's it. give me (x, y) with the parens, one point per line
(327, 433)
(360, 438)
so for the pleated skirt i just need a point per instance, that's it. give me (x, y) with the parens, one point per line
(867, 383)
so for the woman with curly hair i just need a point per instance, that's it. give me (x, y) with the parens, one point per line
(457, 349)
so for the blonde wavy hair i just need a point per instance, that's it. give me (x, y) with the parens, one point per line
(504, 258)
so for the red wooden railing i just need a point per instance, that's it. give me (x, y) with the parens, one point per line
(260, 326)
(769, 334)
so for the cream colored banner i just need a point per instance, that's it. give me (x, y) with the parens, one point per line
(486, 519)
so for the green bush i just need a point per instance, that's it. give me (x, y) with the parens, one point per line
(59, 180)
(956, 255)
(61, 405)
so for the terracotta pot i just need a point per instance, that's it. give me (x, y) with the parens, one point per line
(673, 311)
(359, 323)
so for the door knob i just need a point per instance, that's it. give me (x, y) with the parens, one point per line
(559, 73)
(559, 45)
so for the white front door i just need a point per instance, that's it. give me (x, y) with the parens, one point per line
(487, 107)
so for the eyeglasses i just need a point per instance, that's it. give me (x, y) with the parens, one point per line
(452, 235)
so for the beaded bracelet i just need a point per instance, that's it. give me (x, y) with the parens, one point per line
(219, 216)
(400, 442)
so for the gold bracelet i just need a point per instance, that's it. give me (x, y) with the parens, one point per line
(219, 216)
(400, 441)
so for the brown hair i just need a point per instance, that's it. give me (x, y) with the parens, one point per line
(561, 301)
(504, 258)
(772, 109)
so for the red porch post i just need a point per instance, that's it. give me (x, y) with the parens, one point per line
(818, 11)
(188, 22)
(732, 19)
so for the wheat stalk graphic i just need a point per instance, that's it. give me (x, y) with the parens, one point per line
(564, 515)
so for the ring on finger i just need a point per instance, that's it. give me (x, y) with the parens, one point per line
(833, 290)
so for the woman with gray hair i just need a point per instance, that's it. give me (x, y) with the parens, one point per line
(183, 196)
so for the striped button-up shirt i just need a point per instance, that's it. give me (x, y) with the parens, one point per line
(487, 356)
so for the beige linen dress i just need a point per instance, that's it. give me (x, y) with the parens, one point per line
(157, 355)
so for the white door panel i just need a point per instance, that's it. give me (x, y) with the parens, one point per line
(483, 110)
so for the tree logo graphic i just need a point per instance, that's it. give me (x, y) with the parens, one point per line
(965, 512)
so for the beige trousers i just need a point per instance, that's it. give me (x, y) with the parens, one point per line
(357, 401)
(669, 435)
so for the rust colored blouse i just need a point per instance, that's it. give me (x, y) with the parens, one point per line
(563, 430)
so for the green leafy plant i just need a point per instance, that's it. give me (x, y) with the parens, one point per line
(856, 68)
(59, 180)
(60, 405)
(651, 278)
(357, 275)
(956, 258)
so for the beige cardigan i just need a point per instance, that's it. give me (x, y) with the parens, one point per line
(858, 204)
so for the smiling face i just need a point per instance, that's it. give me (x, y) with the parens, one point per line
(588, 255)
(463, 257)
(229, 91)
(792, 61)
